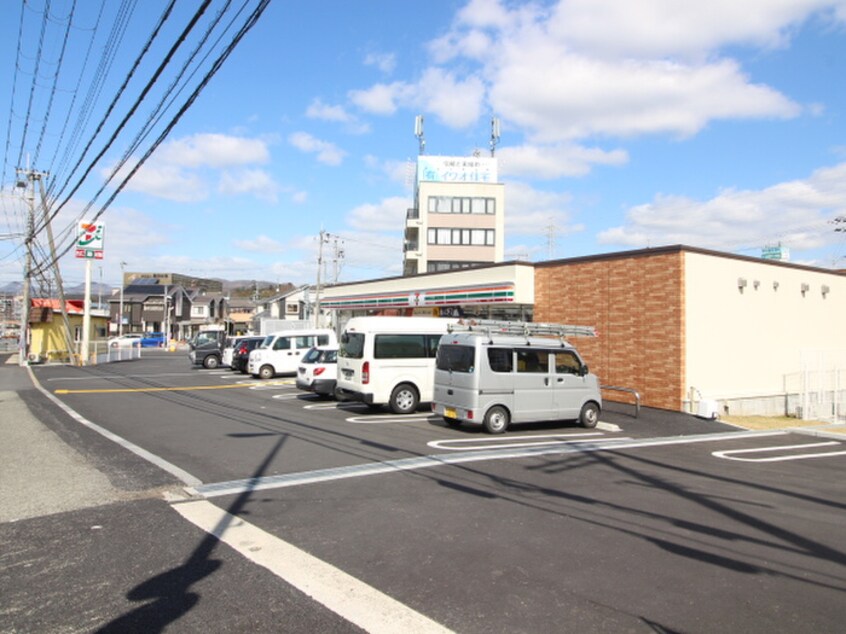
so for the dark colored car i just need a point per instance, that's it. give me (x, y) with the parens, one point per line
(241, 354)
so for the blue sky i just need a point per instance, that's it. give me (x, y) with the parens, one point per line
(625, 124)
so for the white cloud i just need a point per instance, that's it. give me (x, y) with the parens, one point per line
(337, 114)
(169, 182)
(388, 215)
(212, 150)
(259, 244)
(531, 211)
(657, 28)
(319, 110)
(385, 62)
(378, 99)
(249, 181)
(184, 170)
(614, 68)
(796, 213)
(555, 161)
(327, 153)
(456, 101)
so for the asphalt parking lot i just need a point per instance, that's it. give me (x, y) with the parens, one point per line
(663, 521)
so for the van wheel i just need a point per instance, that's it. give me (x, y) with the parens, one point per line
(211, 362)
(266, 372)
(338, 394)
(404, 399)
(496, 420)
(589, 416)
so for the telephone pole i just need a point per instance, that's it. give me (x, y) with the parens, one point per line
(26, 181)
(324, 239)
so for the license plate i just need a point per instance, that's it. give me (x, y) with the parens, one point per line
(450, 412)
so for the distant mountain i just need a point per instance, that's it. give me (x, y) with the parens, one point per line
(11, 288)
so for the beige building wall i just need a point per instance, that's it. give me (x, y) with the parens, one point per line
(424, 252)
(751, 323)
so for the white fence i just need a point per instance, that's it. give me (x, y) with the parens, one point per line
(818, 391)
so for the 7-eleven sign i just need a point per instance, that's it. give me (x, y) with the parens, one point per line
(89, 242)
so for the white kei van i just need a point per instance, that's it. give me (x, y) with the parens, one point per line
(390, 360)
(280, 352)
(490, 375)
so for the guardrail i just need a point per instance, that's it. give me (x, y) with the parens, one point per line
(627, 390)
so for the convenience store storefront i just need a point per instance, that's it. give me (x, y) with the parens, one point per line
(498, 291)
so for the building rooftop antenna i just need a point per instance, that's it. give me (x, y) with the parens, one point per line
(418, 132)
(494, 134)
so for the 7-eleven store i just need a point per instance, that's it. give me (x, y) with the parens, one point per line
(498, 291)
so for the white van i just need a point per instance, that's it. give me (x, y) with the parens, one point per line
(390, 360)
(490, 375)
(280, 352)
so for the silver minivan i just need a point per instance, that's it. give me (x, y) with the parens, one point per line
(497, 379)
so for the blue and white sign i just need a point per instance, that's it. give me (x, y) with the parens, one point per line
(456, 169)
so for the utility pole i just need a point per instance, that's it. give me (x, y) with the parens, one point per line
(338, 255)
(120, 316)
(56, 272)
(28, 185)
(322, 240)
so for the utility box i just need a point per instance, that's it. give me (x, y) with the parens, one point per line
(708, 408)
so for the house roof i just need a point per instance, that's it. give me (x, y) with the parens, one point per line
(72, 306)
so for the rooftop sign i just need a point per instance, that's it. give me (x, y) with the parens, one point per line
(456, 169)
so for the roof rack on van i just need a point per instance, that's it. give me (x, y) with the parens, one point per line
(521, 328)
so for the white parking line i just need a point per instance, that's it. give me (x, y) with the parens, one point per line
(352, 599)
(381, 419)
(235, 487)
(500, 442)
(730, 454)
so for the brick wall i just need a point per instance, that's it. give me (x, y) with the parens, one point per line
(636, 304)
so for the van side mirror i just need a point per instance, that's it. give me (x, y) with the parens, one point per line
(584, 370)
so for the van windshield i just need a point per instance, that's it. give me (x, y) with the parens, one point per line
(455, 358)
(352, 345)
(267, 341)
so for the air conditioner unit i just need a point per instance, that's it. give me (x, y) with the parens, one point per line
(708, 408)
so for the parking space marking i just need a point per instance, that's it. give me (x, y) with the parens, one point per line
(730, 454)
(381, 419)
(235, 487)
(500, 442)
(272, 384)
(321, 404)
(287, 396)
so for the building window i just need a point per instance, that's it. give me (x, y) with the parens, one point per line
(459, 237)
(461, 205)
(435, 266)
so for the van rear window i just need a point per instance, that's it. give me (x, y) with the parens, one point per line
(352, 345)
(455, 358)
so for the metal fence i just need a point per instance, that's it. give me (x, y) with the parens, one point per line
(817, 394)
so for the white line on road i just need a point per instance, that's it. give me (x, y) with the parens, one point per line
(500, 442)
(234, 487)
(381, 419)
(357, 602)
(730, 454)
